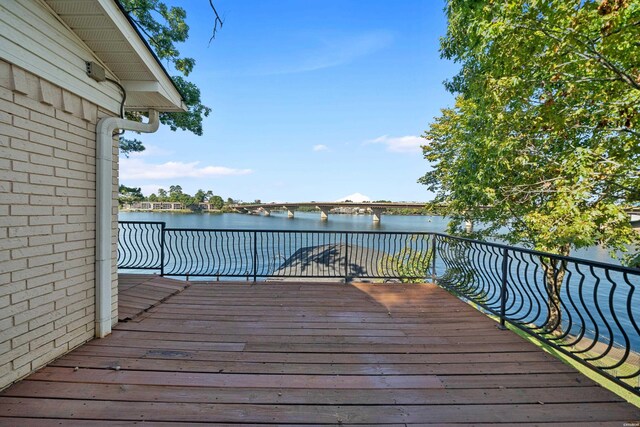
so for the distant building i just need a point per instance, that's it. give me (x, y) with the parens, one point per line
(154, 206)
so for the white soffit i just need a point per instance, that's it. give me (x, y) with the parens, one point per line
(102, 26)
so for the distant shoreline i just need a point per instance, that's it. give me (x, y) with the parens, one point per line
(221, 211)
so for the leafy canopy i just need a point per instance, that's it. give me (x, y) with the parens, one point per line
(542, 146)
(163, 27)
(127, 195)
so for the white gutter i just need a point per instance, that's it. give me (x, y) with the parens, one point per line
(104, 198)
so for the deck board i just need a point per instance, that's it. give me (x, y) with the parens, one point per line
(305, 353)
(139, 293)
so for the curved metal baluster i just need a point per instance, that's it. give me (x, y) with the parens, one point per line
(564, 310)
(517, 290)
(228, 255)
(633, 322)
(245, 250)
(484, 291)
(215, 241)
(137, 251)
(202, 266)
(145, 250)
(587, 311)
(495, 282)
(541, 306)
(209, 245)
(122, 248)
(602, 318)
(170, 253)
(188, 252)
(627, 343)
(475, 284)
(582, 325)
(596, 327)
(184, 259)
(484, 262)
(567, 313)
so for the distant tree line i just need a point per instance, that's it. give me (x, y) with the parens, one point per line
(129, 195)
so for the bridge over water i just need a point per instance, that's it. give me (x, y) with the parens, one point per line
(375, 208)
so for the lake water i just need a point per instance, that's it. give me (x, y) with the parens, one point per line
(311, 221)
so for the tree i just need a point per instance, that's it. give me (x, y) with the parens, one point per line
(216, 201)
(128, 195)
(409, 264)
(163, 27)
(199, 196)
(162, 195)
(186, 200)
(175, 193)
(542, 146)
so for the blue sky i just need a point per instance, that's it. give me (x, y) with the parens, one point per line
(311, 99)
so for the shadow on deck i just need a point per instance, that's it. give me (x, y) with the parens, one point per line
(295, 353)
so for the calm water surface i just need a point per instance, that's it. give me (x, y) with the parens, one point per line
(311, 221)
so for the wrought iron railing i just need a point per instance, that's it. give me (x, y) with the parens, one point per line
(587, 310)
(254, 254)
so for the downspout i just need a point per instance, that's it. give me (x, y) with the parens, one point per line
(104, 197)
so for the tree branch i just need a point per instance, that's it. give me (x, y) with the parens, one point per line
(215, 22)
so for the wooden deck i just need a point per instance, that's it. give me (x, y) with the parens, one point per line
(139, 293)
(304, 353)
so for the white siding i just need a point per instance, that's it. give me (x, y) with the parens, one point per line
(32, 38)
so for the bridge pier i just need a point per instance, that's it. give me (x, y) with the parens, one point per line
(290, 211)
(377, 214)
(324, 212)
(267, 211)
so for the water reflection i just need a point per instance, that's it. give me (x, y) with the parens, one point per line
(278, 220)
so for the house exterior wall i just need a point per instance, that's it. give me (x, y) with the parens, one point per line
(47, 221)
(34, 39)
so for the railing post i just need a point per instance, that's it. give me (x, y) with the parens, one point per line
(162, 248)
(346, 257)
(503, 288)
(433, 258)
(255, 256)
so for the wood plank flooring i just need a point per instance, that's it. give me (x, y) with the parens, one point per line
(137, 293)
(291, 353)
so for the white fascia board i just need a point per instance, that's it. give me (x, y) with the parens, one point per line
(167, 88)
(148, 89)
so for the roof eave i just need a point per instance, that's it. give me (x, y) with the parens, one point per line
(167, 88)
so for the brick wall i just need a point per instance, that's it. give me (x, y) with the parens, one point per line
(47, 222)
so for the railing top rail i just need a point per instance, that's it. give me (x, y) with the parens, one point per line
(142, 222)
(251, 230)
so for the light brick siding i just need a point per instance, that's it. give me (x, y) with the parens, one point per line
(47, 222)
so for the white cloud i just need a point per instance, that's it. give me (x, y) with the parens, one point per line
(150, 189)
(355, 197)
(400, 144)
(150, 151)
(320, 147)
(133, 168)
(326, 50)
